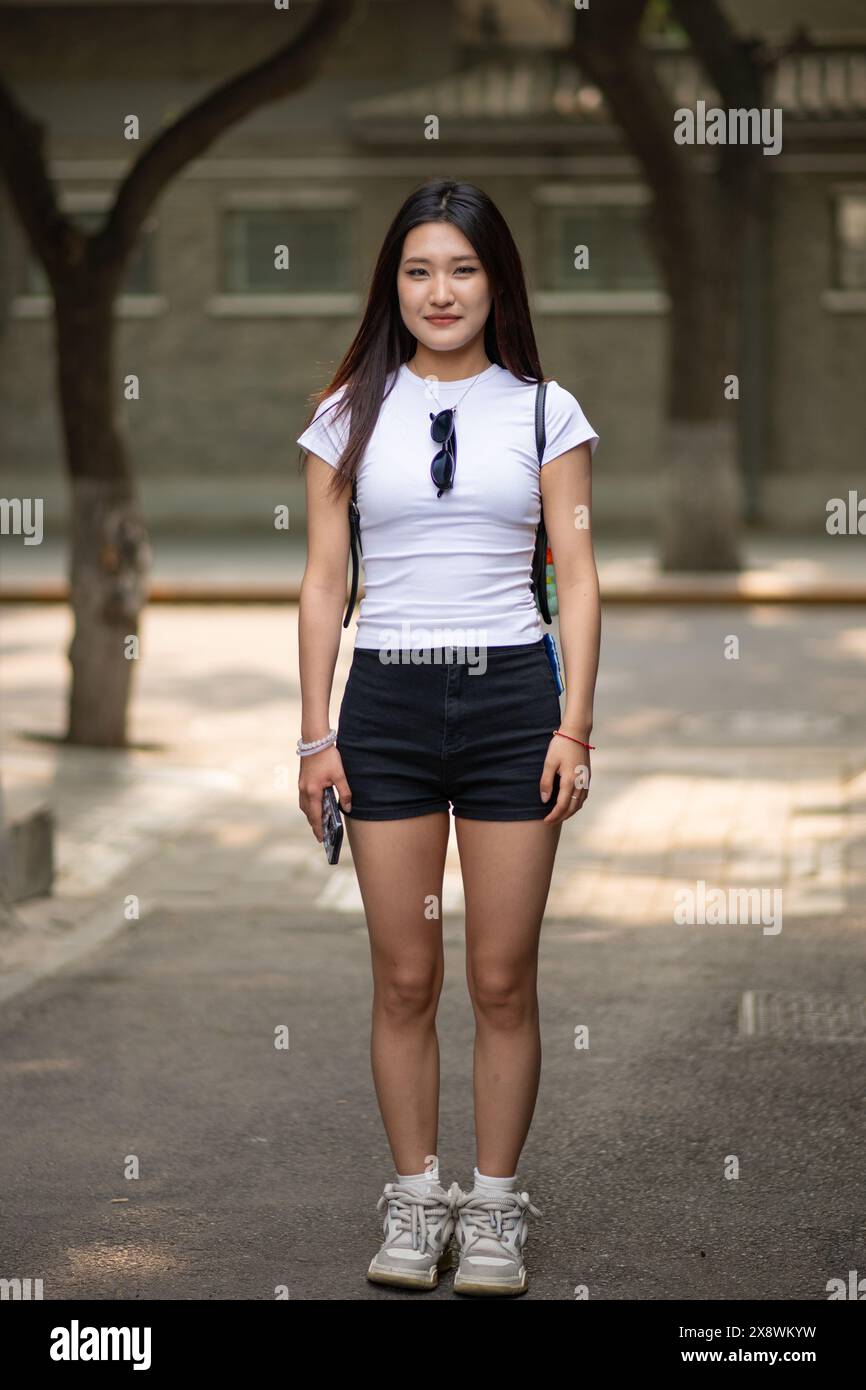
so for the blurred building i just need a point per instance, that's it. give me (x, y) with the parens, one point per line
(228, 348)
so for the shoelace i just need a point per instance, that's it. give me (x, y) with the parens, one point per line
(492, 1217)
(411, 1209)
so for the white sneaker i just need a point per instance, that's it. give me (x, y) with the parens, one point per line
(491, 1233)
(418, 1230)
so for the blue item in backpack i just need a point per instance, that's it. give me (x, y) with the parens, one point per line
(553, 658)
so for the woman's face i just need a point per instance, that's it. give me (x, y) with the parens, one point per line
(440, 274)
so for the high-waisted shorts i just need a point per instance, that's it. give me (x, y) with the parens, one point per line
(415, 737)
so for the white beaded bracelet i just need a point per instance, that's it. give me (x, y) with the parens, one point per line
(316, 745)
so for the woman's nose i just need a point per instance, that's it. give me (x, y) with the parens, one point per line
(441, 292)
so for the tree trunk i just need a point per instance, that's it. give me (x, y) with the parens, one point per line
(7, 913)
(110, 551)
(700, 493)
(701, 224)
(8, 917)
(110, 559)
(700, 496)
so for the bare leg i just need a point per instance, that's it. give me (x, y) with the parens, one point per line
(507, 867)
(400, 866)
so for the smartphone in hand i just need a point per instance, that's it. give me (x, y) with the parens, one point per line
(332, 826)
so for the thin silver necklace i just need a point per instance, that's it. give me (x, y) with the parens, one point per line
(453, 408)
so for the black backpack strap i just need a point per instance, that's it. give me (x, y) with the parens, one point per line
(539, 563)
(355, 541)
(539, 559)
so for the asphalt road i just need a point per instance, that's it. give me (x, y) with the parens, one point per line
(714, 1049)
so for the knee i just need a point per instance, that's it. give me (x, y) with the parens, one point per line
(502, 995)
(406, 992)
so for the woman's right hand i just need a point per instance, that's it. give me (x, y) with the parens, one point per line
(318, 771)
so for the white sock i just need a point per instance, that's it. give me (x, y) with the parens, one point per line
(421, 1182)
(494, 1185)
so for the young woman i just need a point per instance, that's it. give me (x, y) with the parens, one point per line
(451, 703)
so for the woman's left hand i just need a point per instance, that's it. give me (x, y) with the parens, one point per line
(571, 761)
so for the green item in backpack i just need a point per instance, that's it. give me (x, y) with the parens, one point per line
(543, 581)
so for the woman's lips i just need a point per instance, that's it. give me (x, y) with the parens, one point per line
(442, 318)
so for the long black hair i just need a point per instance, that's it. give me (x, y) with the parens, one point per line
(383, 342)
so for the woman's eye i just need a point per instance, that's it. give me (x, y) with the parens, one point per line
(417, 270)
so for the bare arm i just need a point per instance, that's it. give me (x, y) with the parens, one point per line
(566, 492)
(320, 618)
(322, 598)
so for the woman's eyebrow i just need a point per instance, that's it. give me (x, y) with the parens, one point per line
(470, 256)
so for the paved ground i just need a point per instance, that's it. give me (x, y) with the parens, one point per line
(710, 1044)
(190, 566)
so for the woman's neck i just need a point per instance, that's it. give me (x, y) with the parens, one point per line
(449, 366)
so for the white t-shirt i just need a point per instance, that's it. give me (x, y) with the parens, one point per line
(452, 570)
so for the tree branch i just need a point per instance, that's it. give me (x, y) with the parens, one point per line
(22, 162)
(55, 238)
(736, 66)
(727, 58)
(611, 22)
(287, 70)
(607, 47)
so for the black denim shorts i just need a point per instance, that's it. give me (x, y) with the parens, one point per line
(415, 737)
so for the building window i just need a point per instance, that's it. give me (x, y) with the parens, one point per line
(609, 222)
(138, 278)
(850, 240)
(319, 243)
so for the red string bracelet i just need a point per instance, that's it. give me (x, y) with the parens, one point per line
(574, 740)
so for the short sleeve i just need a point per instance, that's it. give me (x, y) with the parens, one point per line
(565, 424)
(324, 435)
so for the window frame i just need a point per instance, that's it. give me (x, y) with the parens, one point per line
(836, 297)
(613, 192)
(290, 303)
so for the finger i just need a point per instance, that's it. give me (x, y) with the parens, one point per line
(311, 805)
(564, 804)
(579, 782)
(558, 813)
(561, 806)
(582, 776)
(545, 786)
(577, 791)
(344, 793)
